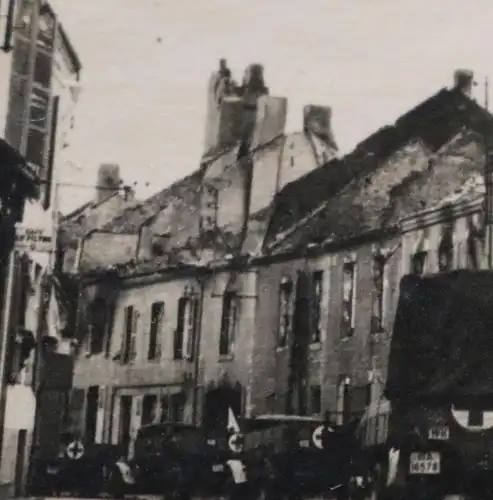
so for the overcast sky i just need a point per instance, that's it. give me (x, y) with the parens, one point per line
(147, 62)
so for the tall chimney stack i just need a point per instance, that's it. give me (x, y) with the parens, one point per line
(464, 81)
(108, 181)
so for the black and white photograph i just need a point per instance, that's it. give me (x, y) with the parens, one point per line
(246, 250)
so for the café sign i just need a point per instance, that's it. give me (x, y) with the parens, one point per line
(30, 239)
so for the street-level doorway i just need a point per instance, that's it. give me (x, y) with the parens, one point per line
(217, 402)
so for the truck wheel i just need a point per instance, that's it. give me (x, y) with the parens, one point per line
(376, 489)
(116, 485)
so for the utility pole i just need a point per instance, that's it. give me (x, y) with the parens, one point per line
(486, 93)
(488, 200)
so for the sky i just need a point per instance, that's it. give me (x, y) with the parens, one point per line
(146, 64)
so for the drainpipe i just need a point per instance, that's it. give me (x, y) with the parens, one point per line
(198, 340)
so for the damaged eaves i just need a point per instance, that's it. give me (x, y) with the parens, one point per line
(328, 206)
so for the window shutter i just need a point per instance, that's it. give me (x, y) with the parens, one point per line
(233, 314)
(159, 332)
(128, 312)
(109, 328)
(191, 319)
(178, 340)
(195, 327)
(133, 335)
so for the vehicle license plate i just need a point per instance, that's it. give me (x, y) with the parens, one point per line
(52, 470)
(218, 468)
(424, 463)
(305, 443)
(439, 433)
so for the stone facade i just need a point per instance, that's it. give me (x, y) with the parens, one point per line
(272, 272)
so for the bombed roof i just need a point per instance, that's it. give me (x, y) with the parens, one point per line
(335, 199)
(132, 219)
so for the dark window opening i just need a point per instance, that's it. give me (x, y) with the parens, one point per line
(316, 316)
(109, 328)
(92, 399)
(157, 316)
(446, 252)
(472, 252)
(149, 407)
(165, 409)
(316, 400)
(418, 262)
(348, 288)
(42, 69)
(378, 296)
(125, 421)
(285, 313)
(217, 403)
(36, 142)
(127, 335)
(177, 406)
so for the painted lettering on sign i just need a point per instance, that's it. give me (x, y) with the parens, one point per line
(35, 240)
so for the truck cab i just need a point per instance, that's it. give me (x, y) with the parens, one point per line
(431, 433)
(172, 456)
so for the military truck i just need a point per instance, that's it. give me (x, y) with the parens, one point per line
(292, 456)
(66, 472)
(431, 434)
(173, 459)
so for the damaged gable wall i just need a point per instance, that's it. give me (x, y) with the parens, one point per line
(103, 249)
(248, 158)
(177, 220)
(109, 201)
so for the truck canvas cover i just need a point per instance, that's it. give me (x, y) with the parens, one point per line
(442, 342)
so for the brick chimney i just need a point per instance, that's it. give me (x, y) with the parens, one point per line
(108, 181)
(318, 121)
(464, 81)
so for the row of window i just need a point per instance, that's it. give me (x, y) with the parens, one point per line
(293, 303)
(446, 251)
(184, 337)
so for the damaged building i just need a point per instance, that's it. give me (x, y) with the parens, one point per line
(267, 279)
